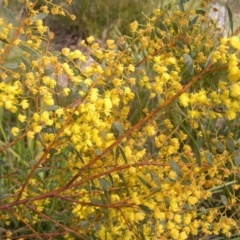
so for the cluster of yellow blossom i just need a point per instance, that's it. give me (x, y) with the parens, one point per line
(227, 96)
(147, 183)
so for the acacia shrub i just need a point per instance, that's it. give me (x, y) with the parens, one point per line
(130, 149)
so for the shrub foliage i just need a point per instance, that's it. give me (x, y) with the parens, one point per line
(140, 143)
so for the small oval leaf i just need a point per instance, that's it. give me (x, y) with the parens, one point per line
(103, 184)
(175, 27)
(200, 11)
(220, 147)
(197, 154)
(123, 154)
(193, 21)
(11, 65)
(236, 158)
(39, 16)
(224, 200)
(52, 108)
(230, 144)
(174, 166)
(188, 62)
(26, 63)
(208, 157)
(29, 50)
(155, 178)
(144, 182)
(146, 209)
(117, 129)
(162, 27)
(230, 16)
(180, 45)
(8, 14)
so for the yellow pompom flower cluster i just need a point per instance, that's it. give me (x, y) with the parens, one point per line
(121, 144)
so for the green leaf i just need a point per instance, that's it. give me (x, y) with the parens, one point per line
(230, 144)
(96, 201)
(186, 182)
(180, 4)
(209, 60)
(220, 147)
(236, 158)
(96, 59)
(155, 178)
(181, 7)
(4, 40)
(227, 191)
(193, 21)
(33, 162)
(230, 15)
(83, 224)
(104, 184)
(41, 170)
(144, 182)
(26, 63)
(48, 72)
(98, 152)
(200, 11)
(121, 177)
(37, 189)
(117, 129)
(56, 53)
(162, 26)
(156, 189)
(29, 50)
(117, 152)
(180, 45)
(175, 27)
(39, 16)
(197, 154)
(21, 172)
(11, 65)
(52, 108)
(53, 151)
(142, 237)
(189, 63)
(208, 157)
(203, 209)
(78, 154)
(8, 14)
(184, 159)
(174, 166)
(111, 179)
(194, 143)
(123, 154)
(224, 200)
(145, 208)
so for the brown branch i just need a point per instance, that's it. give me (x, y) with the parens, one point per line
(122, 167)
(55, 193)
(52, 220)
(137, 125)
(25, 222)
(17, 32)
(44, 155)
(237, 31)
(129, 225)
(12, 143)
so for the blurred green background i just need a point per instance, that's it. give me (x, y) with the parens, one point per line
(106, 19)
